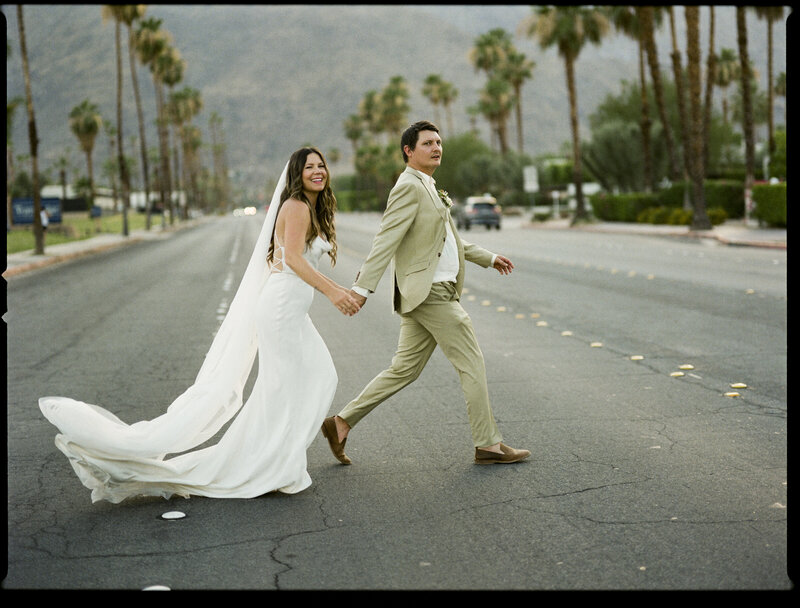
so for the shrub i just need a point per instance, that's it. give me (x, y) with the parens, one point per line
(770, 203)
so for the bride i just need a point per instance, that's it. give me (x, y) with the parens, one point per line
(264, 448)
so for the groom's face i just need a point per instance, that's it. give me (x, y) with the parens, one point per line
(427, 155)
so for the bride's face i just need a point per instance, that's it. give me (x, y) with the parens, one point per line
(315, 174)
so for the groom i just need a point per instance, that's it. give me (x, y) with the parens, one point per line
(418, 235)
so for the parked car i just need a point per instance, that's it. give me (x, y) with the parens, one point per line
(478, 210)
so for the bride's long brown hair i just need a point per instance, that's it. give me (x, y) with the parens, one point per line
(322, 214)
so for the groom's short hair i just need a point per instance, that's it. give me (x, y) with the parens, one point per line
(411, 135)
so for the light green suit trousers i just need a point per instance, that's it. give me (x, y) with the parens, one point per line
(412, 236)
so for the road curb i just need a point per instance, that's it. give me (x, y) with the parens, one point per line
(139, 236)
(724, 240)
(56, 259)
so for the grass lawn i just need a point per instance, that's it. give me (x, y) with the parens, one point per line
(75, 226)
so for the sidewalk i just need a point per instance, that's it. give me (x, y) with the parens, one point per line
(25, 261)
(732, 232)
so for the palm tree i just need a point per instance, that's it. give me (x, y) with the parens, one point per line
(369, 110)
(148, 42)
(495, 103)
(110, 167)
(700, 219)
(221, 187)
(491, 50)
(85, 122)
(431, 89)
(394, 105)
(649, 19)
(680, 92)
(152, 43)
(517, 69)
(353, 131)
(167, 69)
(771, 14)
(448, 94)
(710, 71)
(38, 232)
(128, 14)
(726, 72)
(627, 20)
(183, 106)
(569, 28)
(490, 54)
(747, 118)
(117, 12)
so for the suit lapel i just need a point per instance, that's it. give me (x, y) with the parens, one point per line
(437, 204)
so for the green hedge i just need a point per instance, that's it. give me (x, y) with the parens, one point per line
(770, 203)
(621, 207)
(675, 216)
(726, 195)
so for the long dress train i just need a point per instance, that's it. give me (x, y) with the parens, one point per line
(263, 449)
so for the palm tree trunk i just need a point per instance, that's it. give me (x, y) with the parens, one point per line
(123, 169)
(749, 146)
(580, 211)
(710, 70)
(647, 21)
(140, 115)
(770, 91)
(164, 173)
(38, 233)
(647, 154)
(700, 218)
(677, 73)
(518, 110)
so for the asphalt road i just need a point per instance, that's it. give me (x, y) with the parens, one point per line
(638, 479)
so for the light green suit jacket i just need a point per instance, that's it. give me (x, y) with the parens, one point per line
(412, 236)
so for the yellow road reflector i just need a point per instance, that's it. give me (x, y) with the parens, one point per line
(636, 357)
(501, 309)
(596, 344)
(686, 366)
(535, 315)
(541, 323)
(750, 291)
(519, 315)
(676, 374)
(486, 303)
(738, 385)
(732, 394)
(566, 333)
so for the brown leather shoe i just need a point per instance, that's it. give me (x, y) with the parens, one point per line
(331, 434)
(509, 455)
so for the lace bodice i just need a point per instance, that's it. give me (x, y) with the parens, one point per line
(312, 254)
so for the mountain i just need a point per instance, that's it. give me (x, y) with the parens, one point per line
(281, 76)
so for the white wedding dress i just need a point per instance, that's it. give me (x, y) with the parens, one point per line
(264, 448)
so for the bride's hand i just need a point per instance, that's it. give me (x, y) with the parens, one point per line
(344, 302)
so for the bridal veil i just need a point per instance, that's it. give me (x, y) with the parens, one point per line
(203, 409)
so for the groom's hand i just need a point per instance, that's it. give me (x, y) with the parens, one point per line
(503, 265)
(359, 298)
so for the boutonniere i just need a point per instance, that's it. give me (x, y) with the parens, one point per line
(445, 198)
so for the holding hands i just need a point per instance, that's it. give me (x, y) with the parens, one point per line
(345, 301)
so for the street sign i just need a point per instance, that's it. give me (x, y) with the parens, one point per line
(531, 176)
